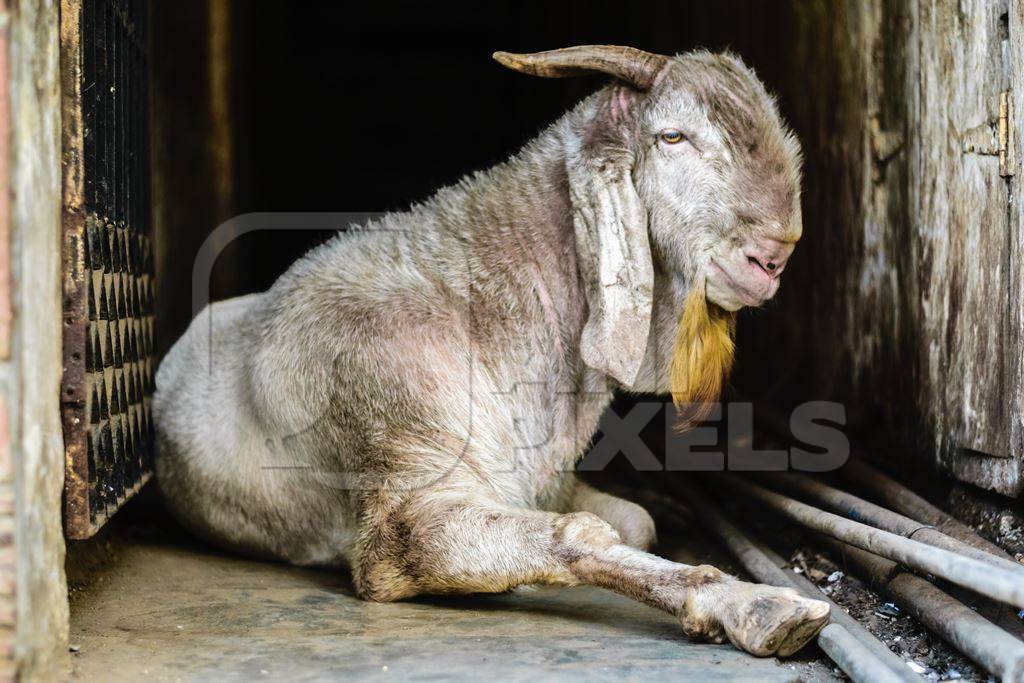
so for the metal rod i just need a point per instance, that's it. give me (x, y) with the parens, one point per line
(895, 495)
(854, 659)
(994, 582)
(839, 615)
(956, 623)
(861, 510)
(859, 654)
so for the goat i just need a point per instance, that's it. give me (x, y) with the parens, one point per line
(409, 399)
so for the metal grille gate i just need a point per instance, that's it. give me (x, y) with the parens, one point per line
(107, 259)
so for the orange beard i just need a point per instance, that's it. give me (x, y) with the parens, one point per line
(702, 357)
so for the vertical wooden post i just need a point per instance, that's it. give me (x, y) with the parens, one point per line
(30, 379)
(8, 563)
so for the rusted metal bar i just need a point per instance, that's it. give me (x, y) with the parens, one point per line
(994, 582)
(839, 615)
(109, 358)
(895, 495)
(859, 654)
(956, 623)
(865, 511)
(854, 659)
(892, 494)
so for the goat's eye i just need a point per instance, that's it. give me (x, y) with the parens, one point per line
(672, 136)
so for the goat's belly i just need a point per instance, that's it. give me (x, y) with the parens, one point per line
(217, 474)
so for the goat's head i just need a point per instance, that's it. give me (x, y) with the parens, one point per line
(683, 165)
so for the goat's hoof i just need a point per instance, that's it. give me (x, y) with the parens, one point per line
(765, 620)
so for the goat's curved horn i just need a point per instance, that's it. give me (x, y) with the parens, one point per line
(627, 63)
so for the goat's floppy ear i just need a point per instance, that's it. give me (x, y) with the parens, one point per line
(610, 221)
(612, 248)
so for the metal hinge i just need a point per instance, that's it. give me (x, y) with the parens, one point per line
(998, 142)
(1007, 160)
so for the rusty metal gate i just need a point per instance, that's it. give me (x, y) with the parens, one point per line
(107, 259)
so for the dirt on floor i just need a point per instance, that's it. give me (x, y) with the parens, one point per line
(998, 519)
(923, 652)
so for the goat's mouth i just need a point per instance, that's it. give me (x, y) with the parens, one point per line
(732, 291)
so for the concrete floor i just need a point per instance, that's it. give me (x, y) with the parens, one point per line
(161, 607)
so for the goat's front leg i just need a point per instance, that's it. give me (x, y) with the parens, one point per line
(468, 548)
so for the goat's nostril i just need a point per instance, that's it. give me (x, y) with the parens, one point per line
(771, 266)
(756, 262)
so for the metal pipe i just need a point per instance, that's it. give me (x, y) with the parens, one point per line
(994, 582)
(854, 659)
(895, 495)
(858, 653)
(839, 615)
(981, 640)
(861, 510)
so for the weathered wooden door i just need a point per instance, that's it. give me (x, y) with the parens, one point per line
(968, 235)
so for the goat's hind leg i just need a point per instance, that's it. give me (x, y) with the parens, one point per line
(467, 548)
(632, 522)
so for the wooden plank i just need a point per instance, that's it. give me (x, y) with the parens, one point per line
(881, 292)
(8, 564)
(6, 295)
(32, 379)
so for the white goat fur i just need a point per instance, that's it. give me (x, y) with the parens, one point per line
(409, 399)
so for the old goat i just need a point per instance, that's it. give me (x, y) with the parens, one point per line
(409, 399)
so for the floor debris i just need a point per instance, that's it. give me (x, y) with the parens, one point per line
(900, 632)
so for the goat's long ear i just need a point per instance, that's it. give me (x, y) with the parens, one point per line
(612, 248)
(610, 221)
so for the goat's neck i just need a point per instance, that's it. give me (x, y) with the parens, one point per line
(511, 227)
(670, 293)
